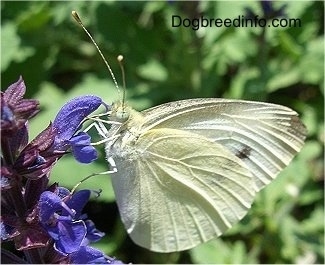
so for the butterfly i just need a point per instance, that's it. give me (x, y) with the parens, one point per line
(186, 171)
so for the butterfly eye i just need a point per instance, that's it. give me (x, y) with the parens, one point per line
(122, 115)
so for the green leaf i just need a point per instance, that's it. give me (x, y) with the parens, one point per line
(11, 49)
(312, 62)
(219, 252)
(153, 70)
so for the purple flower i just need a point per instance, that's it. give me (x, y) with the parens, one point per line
(81, 148)
(93, 234)
(35, 159)
(6, 231)
(60, 214)
(67, 123)
(40, 154)
(89, 255)
(46, 223)
(269, 11)
(15, 110)
(54, 141)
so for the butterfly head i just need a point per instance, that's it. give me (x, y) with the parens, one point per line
(120, 112)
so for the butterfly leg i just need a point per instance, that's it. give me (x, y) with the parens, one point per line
(114, 169)
(105, 140)
(112, 164)
(102, 131)
(100, 128)
(95, 118)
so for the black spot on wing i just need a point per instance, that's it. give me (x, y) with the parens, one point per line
(244, 152)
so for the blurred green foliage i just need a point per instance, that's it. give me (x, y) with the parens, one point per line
(41, 42)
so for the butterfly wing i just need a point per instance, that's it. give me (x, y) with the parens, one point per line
(176, 189)
(265, 136)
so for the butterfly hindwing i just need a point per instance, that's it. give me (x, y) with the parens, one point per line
(176, 189)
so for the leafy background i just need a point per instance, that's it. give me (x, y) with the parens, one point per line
(41, 42)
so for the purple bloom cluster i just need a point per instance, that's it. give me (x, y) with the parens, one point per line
(45, 223)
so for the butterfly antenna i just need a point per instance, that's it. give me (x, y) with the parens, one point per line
(77, 18)
(120, 61)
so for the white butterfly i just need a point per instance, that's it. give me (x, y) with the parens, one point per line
(187, 171)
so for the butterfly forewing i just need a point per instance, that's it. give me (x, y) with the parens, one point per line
(265, 136)
(177, 189)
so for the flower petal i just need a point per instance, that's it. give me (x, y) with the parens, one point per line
(71, 115)
(81, 148)
(86, 154)
(93, 234)
(78, 201)
(70, 237)
(81, 139)
(48, 204)
(88, 255)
